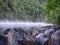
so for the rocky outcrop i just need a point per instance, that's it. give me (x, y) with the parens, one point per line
(18, 36)
(55, 38)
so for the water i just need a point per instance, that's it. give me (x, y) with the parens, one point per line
(22, 24)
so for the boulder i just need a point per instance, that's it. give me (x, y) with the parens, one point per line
(49, 32)
(42, 41)
(55, 38)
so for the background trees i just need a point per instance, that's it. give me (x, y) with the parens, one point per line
(22, 9)
(35, 10)
(53, 11)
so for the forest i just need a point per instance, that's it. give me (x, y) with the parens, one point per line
(36, 10)
(33, 10)
(30, 10)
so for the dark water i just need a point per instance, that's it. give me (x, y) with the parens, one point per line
(3, 40)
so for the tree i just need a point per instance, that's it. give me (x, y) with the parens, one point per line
(53, 11)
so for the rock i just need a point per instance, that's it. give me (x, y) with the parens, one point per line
(41, 35)
(21, 34)
(20, 37)
(55, 38)
(57, 27)
(25, 42)
(6, 32)
(1, 32)
(3, 40)
(12, 40)
(49, 32)
(42, 41)
(35, 31)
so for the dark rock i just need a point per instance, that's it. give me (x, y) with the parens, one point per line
(3, 40)
(42, 41)
(56, 27)
(25, 42)
(49, 32)
(6, 32)
(55, 38)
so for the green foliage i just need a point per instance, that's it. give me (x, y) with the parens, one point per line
(53, 11)
(22, 9)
